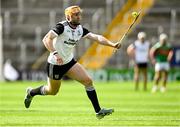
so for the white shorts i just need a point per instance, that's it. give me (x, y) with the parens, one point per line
(162, 66)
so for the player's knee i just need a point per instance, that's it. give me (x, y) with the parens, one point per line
(157, 78)
(87, 82)
(136, 78)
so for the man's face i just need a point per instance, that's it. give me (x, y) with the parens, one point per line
(142, 39)
(75, 18)
(163, 41)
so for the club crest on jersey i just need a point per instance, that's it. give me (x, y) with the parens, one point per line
(79, 33)
(56, 76)
(68, 31)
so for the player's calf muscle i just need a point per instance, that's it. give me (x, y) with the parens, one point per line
(52, 92)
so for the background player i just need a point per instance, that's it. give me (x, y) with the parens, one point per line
(161, 54)
(139, 52)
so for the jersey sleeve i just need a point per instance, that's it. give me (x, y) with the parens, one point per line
(58, 29)
(156, 46)
(85, 32)
(134, 44)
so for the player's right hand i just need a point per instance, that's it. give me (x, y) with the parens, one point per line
(58, 59)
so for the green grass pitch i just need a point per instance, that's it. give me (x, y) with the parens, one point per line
(71, 107)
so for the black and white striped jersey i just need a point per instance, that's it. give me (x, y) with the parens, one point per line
(66, 40)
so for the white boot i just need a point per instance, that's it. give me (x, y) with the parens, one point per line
(163, 89)
(154, 88)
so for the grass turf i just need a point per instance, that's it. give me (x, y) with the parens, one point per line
(71, 107)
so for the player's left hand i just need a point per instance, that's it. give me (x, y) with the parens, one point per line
(117, 45)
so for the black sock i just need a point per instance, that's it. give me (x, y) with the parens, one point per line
(37, 91)
(91, 92)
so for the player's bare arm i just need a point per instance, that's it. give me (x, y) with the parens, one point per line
(130, 51)
(102, 40)
(48, 42)
(170, 55)
(151, 54)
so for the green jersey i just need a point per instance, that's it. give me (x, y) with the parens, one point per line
(161, 52)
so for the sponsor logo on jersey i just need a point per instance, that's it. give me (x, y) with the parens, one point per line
(71, 42)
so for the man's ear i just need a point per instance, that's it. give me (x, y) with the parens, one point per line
(68, 18)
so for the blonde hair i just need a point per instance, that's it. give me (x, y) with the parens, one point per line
(72, 9)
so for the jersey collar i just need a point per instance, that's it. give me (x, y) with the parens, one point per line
(70, 25)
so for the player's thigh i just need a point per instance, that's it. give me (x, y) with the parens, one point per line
(78, 72)
(53, 85)
(165, 73)
(157, 74)
(144, 71)
(136, 70)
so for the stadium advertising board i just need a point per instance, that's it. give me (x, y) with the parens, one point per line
(176, 57)
(103, 75)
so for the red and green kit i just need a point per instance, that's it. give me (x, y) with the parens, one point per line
(161, 52)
